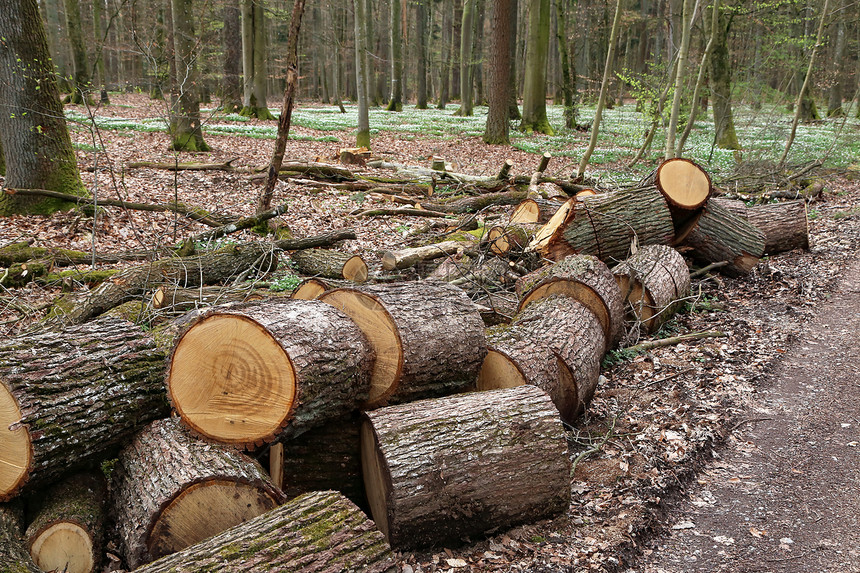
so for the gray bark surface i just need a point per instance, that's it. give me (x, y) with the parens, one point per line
(718, 235)
(14, 558)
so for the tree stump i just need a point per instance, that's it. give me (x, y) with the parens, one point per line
(172, 491)
(556, 344)
(66, 532)
(428, 337)
(684, 185)
(246, 374)
(330, 264)
(318, 532)
(14, 557)
(653, 281)
(73, 397)
(606, 225)
(585, 278)
(718, 235)
(437, 471)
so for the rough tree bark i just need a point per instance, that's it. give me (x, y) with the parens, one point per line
(497, 128)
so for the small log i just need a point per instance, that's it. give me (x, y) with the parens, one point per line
(556, 344)
(327, 457)
(354, 156)
(718, 235)
(428, 337)
(240, 225)
(535, 210)
(494, 273)
(72, 397)
(437, 471)
(309, 289)
(172, 491)
(585, 278)
(405, 258)
(67, 531)
(478, 202)
(330, 264)
(684, 185)
(184, 299)
(406, 211)
(785, 225)
(19, 274)
(317, 532)
(22, 252)
(544, 162)
(606, 225)
(505, 171)
(193, 166)
(654, 281)
(511, 239)
(14, 557)
(246, 374)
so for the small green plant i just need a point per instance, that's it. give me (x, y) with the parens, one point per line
(359, 197)
(813, 214)
(620, 356)
(285, 283)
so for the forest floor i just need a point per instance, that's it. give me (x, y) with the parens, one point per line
(680, 444)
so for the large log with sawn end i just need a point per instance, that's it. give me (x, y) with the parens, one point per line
(585, 278)
(428, 337)
(14, 557)
(556, 344)
(172, 490)
(606, 225)
(246, 374)
(320, 532)
(685, 186)
(67, 530)
(785, 225)
(73, 397)
(654, 283)
(437, 471)
(718, 235)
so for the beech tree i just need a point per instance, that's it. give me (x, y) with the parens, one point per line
(466, 38)
(497, 130)
(395, 101)
(534, 89)
(81, 84)
(33, 135)
(185, 128)
(254, 66)
(231, 89)
(362, 136)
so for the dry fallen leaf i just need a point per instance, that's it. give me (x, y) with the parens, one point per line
(456, 563)
(757, 533)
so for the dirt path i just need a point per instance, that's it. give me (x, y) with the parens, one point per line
(784, 495)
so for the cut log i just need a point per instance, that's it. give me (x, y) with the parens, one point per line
(684, 185)
(67, 531)
(72, 397)
(172, 491)
(183, 299)
(19, 274)
(246, 374)
(556, 344)
(330, 264)
(718, 235)
(478, 202)
(14, 557)
(354, 156)
(428, 337)
(309, 289)
(535, 210)
(654, 281)
(505, 171)
(326, 458)
(785, 226)
(405, 258)
(606, 225)
(585, 278)
(22, 252)
(320, 532)
(437, 471)
(511, 239)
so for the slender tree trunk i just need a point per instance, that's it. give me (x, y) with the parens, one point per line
(255, 91)
(447, 53)
(186, 131)
(466, 29)
(81, 88)
(33, 136)
(568, 87)
(57, 42)
(680, 75)
(100, 57)
(231, 90)
(395, 102)
(362, 136)
(498, 123)
(421, 53)
(330, 19)
(513, 107)
(834, 102)
(700, 79)
(534, 91)
(721, 87)
(604, 85)
(478, 55)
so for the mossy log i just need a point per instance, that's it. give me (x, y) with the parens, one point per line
(330, 264)
(71, 398)
(785, 225)
(321, 532)
(585, 278)
(210, 268)
(654, 282)
(684, 185)
(327, 457)
(22, 252)
(19, 274)
(428, 337)
(250, 373)
(172, 491)
(606, 225)
(718, 235)
(14, 557)
(405, 258)
(67, 531)
(556, 343)
(438, 471)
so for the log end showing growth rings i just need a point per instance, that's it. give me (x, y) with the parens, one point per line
(63, 546)
(683, 183)
(231, 381)
(16, 451)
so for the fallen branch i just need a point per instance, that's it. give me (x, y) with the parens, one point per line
(707, 269)
(672, 340)
(399, 211)
(323, 240)
(193, 166)
(241, 224)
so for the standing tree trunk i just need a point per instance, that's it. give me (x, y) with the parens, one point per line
(498, 124)
(513, 109)
(421, 53)
(694, 104)
(362, 135)
(466, 37)
(447, 54)
(395, 101)
(231, 90)
(185, 127)
(534, 94)
(834, 103)
(254, 60)
(100, 57)
(82, 84)
(568, 85)
(721, 87)
(33, 136)
(680, 76)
